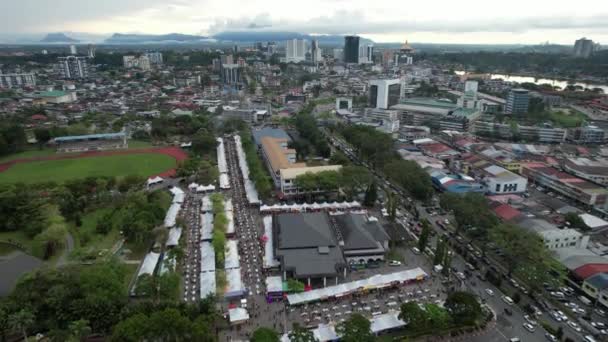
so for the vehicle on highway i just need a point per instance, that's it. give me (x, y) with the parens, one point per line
(489, 292)
(394, 263)
(551, 337)
(575, 326)
(507, 300)
(529, 327)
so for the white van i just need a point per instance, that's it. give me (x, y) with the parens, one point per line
(507, 300)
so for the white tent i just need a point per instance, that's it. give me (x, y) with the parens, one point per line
(173, 238)
(205, 188)
(207, 227)
(231, 259)
(149, 264)
(192, 186)
(224, 181)
(208, 285)
(238, 315)
(171, 216)
(269, 259)
(207, 257)
(154, 180)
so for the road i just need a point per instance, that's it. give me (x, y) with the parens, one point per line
(507, 326)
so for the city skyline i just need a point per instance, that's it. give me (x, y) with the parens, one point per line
(488, 22)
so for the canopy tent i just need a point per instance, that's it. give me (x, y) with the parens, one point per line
(274, 284)
(284, 207)
(250, 190)
(205, 188)
(269, 259)
(206, 204)
(373, 282)
(154, 180)
(207, 257)
(172, 215)
(207, 227)
(221, 156)
(238, 315)
(208, 285)
(235, 287)
(149, 264)
(231, 259)
(224, 181)
(230, 226)
(173, 238)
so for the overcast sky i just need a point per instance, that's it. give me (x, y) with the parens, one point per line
(436, 21)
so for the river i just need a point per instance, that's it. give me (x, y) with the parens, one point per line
(556, 83)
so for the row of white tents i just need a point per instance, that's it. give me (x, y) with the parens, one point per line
(201, 188)
(222, 165)
(306, 206)
(176, 205)
(252, 193)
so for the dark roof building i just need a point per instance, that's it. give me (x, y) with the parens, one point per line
(306, 246)
(319, 245)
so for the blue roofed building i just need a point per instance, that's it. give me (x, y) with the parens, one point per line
(455, 183)
(276, 133)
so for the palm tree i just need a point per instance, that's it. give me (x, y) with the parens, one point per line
(79, 330)
(21, 321)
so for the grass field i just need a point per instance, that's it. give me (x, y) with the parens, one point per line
(88, 244)
(51, 151)
(144, 164)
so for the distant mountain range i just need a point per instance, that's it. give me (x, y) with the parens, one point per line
(120, 38)
(58, 38)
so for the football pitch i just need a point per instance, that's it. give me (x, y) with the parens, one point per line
(61, 170)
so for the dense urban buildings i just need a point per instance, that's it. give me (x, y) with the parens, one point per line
(17, 80)
(384, 94)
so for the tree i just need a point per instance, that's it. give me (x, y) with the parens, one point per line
(416, 317)
(203, 143)
(21, 321)
(301, 334)
(424, 235)
(463, 307)
(355, 329)
(440, 251)
(295, 285)
(79, 330)
(42, 135)
(576, 222)
(264, 334)
(559, 333)
(371, 195)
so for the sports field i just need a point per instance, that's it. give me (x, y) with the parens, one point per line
(60, 170)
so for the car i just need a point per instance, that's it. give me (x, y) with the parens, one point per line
(551, 337)
(394, 263)
(415, 250)
(508, 311)
(461, 275)
(557, 294)
(529, 327)
(598, 325)
(515, 339)
(507, 300)
(530, 320)
(489, 292)
(575, 326)
(557, 316)
(589, 338)
(600, 312)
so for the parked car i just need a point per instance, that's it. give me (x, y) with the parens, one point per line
(394, 263)
(489, 292)
(551, 337)
(529, 327)
(507, 300)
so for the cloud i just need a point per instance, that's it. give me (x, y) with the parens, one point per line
(348, 22)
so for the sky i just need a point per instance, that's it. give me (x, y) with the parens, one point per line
(431, 21)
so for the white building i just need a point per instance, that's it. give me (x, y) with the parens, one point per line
(295, 51)
(338, 54)
(315, 52)
(73, 67)
(469, 97)
(384, 93)
(17, 80)
(141, 62)
(155, 58)
(73, 50)
(366, 53)
(553, 237)
(502, 181)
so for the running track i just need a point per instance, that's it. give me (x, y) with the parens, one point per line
(174, 152)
